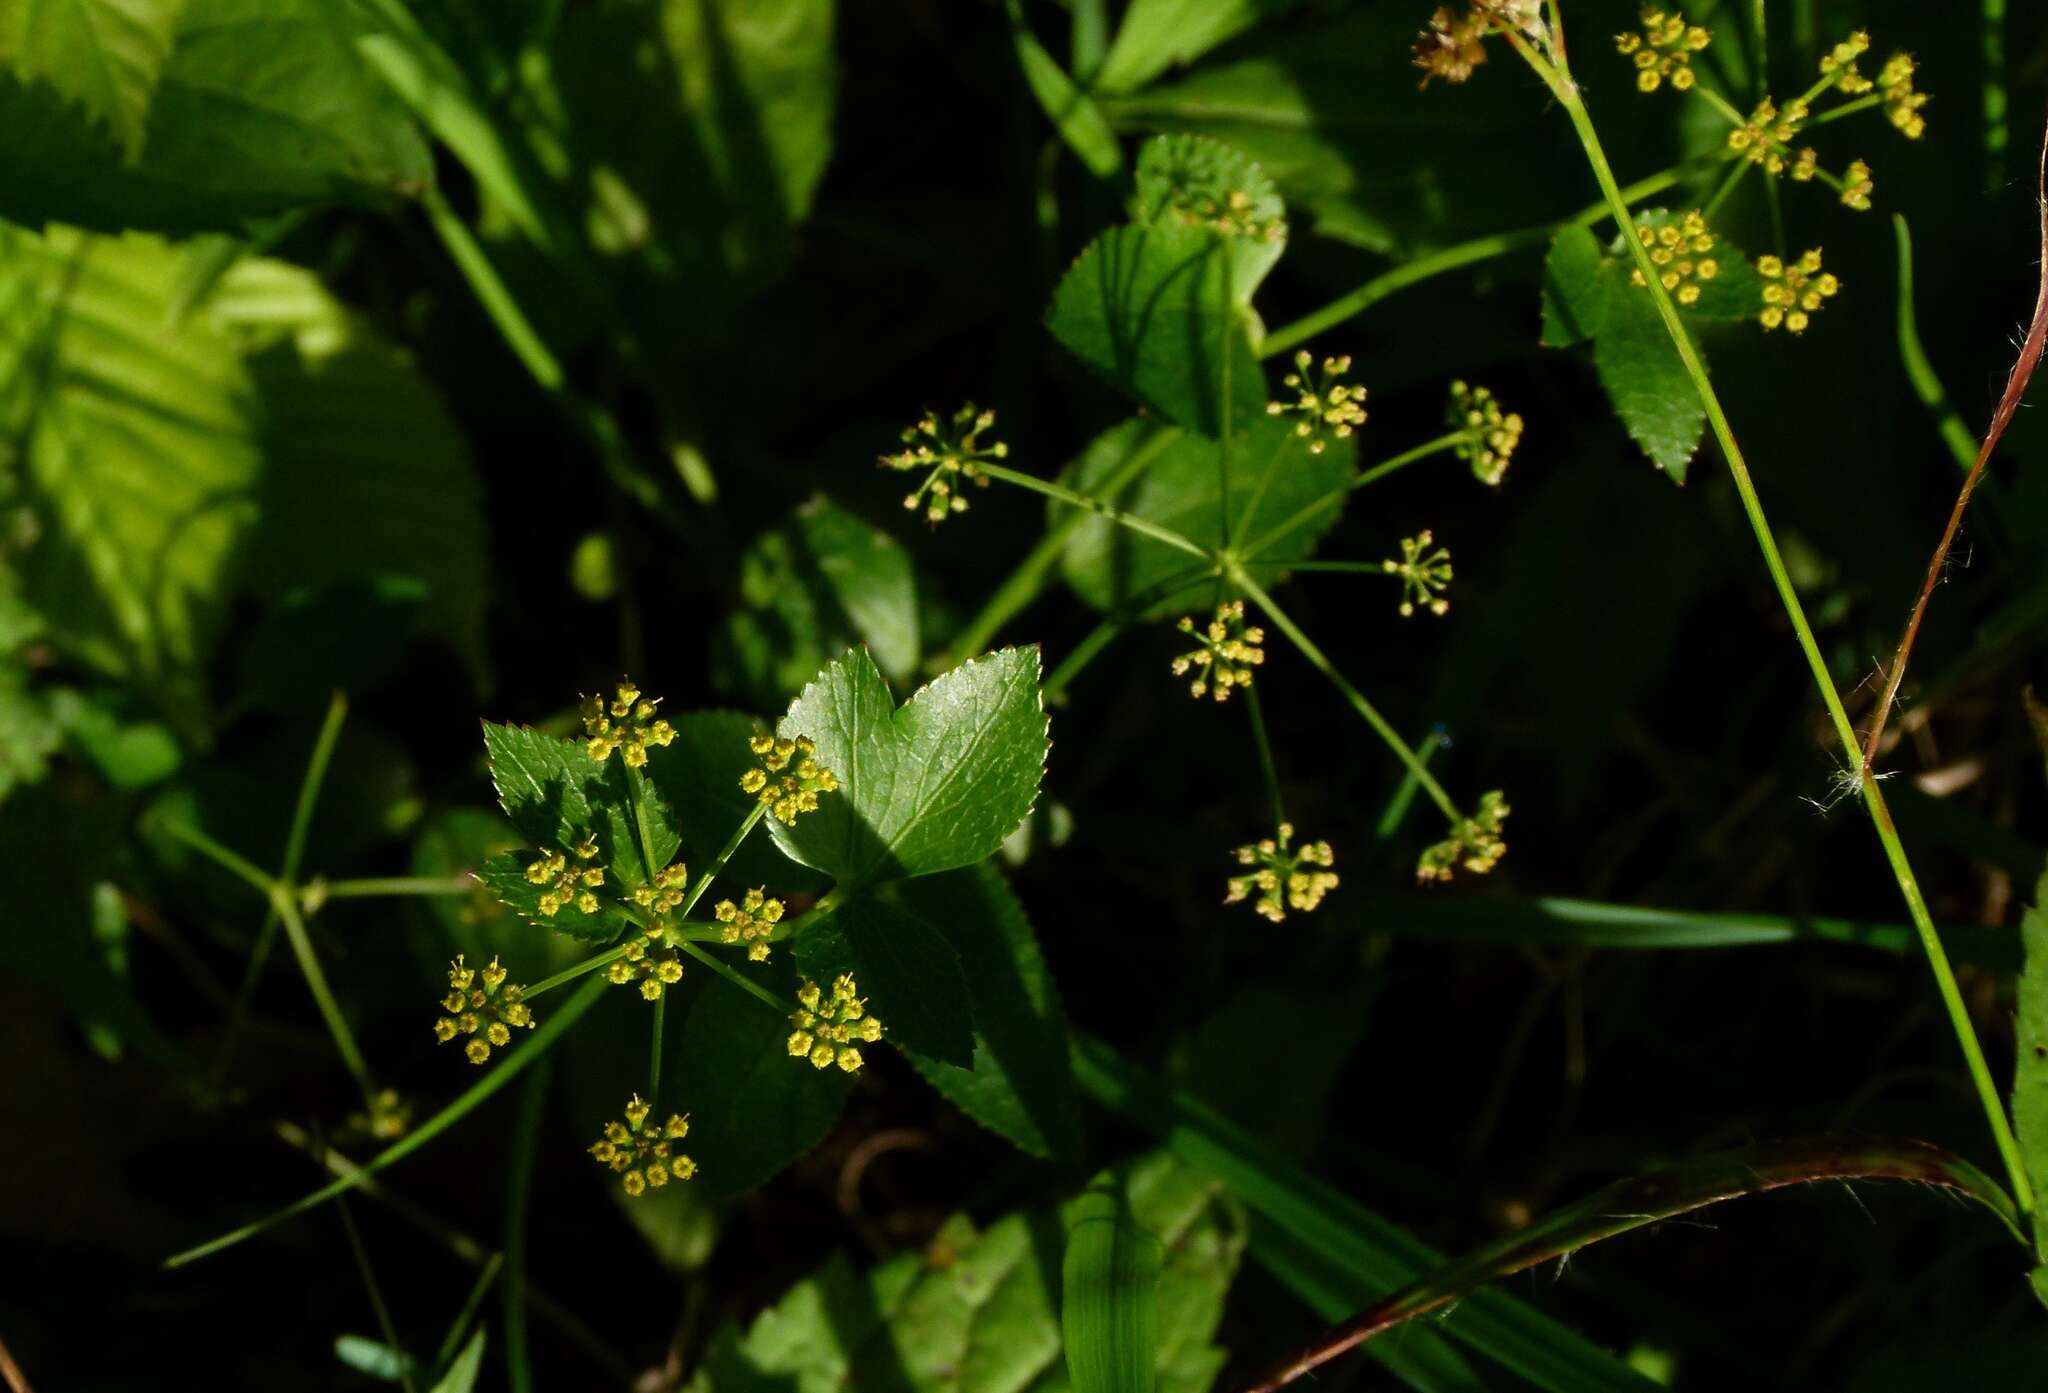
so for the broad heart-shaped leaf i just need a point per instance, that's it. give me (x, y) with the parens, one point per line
(988, 1320)
(104, 55)
(937, 783)
(262, 107)
(697, 777)
(2030, 1077)
(907, 972)
(165, 466)
(1193, 179)
(809, 590)
(555, 793)
(1148, 307)
(752, 1108)
(1273, 477)
(1022, 1082)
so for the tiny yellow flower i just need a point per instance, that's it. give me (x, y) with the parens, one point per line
(1901, 103)
(628, 723)
(1285, 876)
(570, 884)
(951, 453)
(752, 921)
(1475, 843)
(1662, 50)
(1229, 650)
(1680, 253)
(1490, 434)
(1765, 138)
(1838, 64)
(1793, 293)
(790, 777)
(1425, 572)
(483, 1007)
(1856, 187)
(651, 961)
(1329, 409)
(827, 1028)
(665, 894)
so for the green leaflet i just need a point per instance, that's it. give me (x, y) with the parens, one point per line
(1193, 179)
(2030, 1077)
(1109, 1294)
(934, 784)
(1021, 1085)
(104, 55)
(1273, 477)
(1158, 34)
(978, 1311)
(262, 106)
(555, 794)
(1072, 111)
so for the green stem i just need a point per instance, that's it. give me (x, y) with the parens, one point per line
(498, 1076)
(232, 862)
(1566, 91)
(1025, 583)
(465, 1319)
(570, 974)
(739, 979)
(1098, 507)
(1349, 568)
(309, 787)
(1994, 95)
(525, 1141)
(654, 1050)
(381, 1311)
(287, 910)
(1265, 749)
(369, 886)
(1451, 258)
(1727, 187)
(1102, 634)
(1919, 371)
(636, 791)
(1224, 344)
(1397, 807)
(1351, 694)
(1310, 511)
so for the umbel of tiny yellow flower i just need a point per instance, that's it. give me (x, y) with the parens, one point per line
(1838, 64)
(1228, 653)
(627, 722)
(644, 1157)
(567, 882)
(1474, 845)
(1792, 293)
(1856, 186)
(1286, 877)
(828, 1027)
(1425, 572)
(789, 792)
(1490, 434)
(385, 1116)
(649, 961)
(1901, 103)
(1236, 216)
(1765, 138)
(1679, 252)
(1327, 407)
(949, 451)
(1662, 51)
(752, 921)
(664, 894)
(483, 1007)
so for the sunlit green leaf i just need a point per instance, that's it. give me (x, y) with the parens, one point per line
(104, 55)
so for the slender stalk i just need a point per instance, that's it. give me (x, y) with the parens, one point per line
(1919, 371)
(1310, 511)
(1265, 749)
(1224, 343)
(1994, 95)
(1351, 694)
(1404, 796)
(369, 886)
(1349, 568)
(636, 791)
(1727, 187)
(232, 862)
(1566, 91)
(654, 1050)
(1025, 583)
(451, 1343)
(1102, 634)
(739, 979)
(1760, 33)
(287, 910)
(1097, 506)
(571, 973)
(519, 1187)
(382, 1312)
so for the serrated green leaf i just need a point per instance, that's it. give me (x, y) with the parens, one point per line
(906, 970)
(697, 776)
(261, 107)
(1109, 1295)
(977, 1311)
(1574, 288)
(543, 783)
(1735, 289)
(1159, 34)
(105, 55)
(1194, 179)
(822, 583)
(1273, 477)
(937, 783)
(1022, 1082)
(504, 875)
(752, 1108)
(1646, 380)
(1149, 308)
(2030, 1074)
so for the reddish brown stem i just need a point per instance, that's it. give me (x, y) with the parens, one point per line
(2015, 388)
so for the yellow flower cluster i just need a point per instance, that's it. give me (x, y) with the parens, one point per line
(827, 1027)
(1425, 572)
(1230, 650)
(1321, 400)
(1474, 845)
(1236, 216)
(1281, 879)
(788, 793)
(752, 921)
(650, 962)
(628, 722)
(1491, 434)
(1765, 137)
(950, 453)
(1856, 186)
(568, 884)
(1901, 103)
(665, 894)
(1663, 50)
(1838, 64)
(483, 1006)
(644, 1157)
(1678, 251)
(1794, 292)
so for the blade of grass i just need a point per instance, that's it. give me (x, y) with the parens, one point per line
(1632, 1204)
(519, 1187)
(1109, 1295)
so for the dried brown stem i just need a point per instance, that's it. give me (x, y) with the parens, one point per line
(2015, 388)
